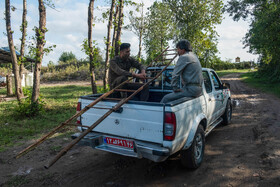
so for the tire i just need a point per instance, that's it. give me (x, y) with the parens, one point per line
(193, 156)
(228, 113)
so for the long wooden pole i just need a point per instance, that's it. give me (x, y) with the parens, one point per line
(123, 101)
(41, 140)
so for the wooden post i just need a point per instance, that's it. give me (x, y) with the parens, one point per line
(9, 85)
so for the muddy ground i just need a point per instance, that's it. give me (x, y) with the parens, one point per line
(244, 153)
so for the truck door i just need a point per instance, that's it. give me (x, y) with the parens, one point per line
(209, 96)
(217, 93)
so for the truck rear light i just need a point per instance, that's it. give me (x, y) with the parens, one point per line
(78, 110)
(169, 130)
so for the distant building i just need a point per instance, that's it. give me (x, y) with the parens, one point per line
(237, 59)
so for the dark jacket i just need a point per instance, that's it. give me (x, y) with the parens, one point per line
(119, 67)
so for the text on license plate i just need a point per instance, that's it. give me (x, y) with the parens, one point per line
(119, 142)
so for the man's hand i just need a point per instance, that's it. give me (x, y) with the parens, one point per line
(178, 90)
(141, 76)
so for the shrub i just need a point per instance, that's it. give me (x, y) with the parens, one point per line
(27, 108)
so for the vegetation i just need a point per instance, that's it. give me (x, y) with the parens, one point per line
(255, 79)
(222, 73)
(60, 104)
(263, 36)
(159, 29)
(196, 21)
(262, 82)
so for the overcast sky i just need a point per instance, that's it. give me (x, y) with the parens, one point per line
(67, 28)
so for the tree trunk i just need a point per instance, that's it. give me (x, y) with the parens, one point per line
(119, 31)
(18, 88)
(90, 24)
(40, 36)
(23, 27)
(140, 46)
(115, 31)
(141, 30)
(9, 85)
(108, 45)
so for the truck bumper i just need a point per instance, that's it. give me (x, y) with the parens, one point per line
(140, 149)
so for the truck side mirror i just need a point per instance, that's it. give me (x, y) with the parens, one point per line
(226, 85)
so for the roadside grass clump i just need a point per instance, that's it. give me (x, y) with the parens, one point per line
(256, 80)
(222, 73)
(60, 104)
(262, 82)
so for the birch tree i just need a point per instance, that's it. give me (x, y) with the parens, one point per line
(115, 23)
(17, 77)
(40, 39)
(23, 30)
(119, 29)
(90, 46)
(108, 45)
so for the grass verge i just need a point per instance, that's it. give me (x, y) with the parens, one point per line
(60, 105)
(222, 73)
(262, 83)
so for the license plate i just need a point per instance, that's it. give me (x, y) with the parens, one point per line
(119, 142)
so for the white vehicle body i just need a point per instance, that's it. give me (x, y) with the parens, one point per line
(143, 129)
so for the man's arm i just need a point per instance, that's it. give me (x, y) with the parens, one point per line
(116, 69)
(140, 67)
(179, 67)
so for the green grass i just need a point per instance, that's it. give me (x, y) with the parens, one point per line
(262, 83)
(60, 104)
(230, 71)
(249, 77)
(3, 91)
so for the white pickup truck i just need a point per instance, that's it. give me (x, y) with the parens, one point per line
(154, 130)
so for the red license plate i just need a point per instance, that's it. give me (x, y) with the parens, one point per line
(119, 142)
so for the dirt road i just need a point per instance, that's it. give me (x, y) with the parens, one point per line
(245, 153)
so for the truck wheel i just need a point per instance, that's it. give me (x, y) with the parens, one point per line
(193, 156)
(228, 113)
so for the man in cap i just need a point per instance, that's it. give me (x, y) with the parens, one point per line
(189, 69)
(119, 71)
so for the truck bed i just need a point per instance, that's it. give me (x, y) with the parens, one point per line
(146, 124)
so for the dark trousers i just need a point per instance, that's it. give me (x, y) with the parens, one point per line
(143, 95)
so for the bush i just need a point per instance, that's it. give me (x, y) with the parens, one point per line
(27, 108)
(70, 72)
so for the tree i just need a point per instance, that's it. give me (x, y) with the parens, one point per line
(159, 29)
(23, 30)
(119, 28)
(17, 77)
(91, 51)
(115, 23)
(108, 44)
(40, 39)
(138, 25)
(263, 36)
(67, 56)
(195, 21)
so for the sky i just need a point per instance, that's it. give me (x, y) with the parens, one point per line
(67, 28)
